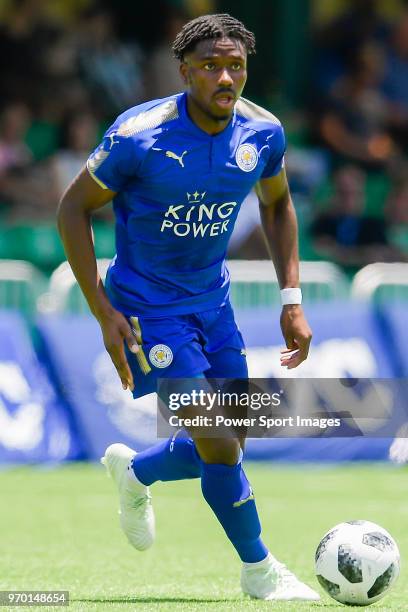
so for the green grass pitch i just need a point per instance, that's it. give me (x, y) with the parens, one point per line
(59, 530)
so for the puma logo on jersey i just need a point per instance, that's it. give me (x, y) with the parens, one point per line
(179, 158)
(112, 140)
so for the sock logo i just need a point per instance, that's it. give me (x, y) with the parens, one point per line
(240, 502)
(173, 440)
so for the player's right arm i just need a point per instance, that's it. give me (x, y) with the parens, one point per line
(83, 196)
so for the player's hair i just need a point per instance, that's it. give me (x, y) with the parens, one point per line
(211, 26)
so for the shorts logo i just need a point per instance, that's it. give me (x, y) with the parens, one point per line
(246, 157)
(161, 355)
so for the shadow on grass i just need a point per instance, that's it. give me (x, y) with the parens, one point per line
(192, 600)
(144, 600)
(198, 600)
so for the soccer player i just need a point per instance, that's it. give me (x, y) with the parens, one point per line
(177, 170)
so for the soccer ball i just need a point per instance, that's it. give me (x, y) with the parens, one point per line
(357, 562)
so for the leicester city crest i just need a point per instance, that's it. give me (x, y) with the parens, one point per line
(246, 157)
(161, 355)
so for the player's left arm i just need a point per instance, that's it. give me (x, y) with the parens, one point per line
(280, 227)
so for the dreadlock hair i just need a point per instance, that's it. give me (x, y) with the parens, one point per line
(211, 26)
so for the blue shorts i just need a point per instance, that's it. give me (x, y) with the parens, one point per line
(186, 346)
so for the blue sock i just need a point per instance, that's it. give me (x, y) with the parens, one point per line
(173, 459)
(226, 488)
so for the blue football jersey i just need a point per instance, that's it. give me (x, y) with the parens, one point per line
(179, 191)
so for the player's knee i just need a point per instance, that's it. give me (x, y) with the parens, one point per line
(226, 451)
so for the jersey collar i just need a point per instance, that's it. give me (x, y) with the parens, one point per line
(192, 127)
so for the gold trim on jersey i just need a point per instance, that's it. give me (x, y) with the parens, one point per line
(95, 178)
(140, 356)
(149, 120)
(93, 164)
(250, 110)
(97, 159)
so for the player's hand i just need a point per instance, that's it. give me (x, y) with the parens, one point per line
(297, 335)
(116, 330)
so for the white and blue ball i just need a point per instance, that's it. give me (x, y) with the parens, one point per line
(357, 562)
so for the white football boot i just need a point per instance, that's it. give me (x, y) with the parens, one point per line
(399, 447)
(136, 512)
(272, 580)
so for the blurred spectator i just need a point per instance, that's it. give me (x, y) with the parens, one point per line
(111, 69)
(25, 187)
(163, 76)
(395, 82)
(24, 40)
(14, 123)
(397, 205)
(342, 233)
(78, 138)
(15, 156)
(355, 121)
(339, 41)
(69, 92)
(396, 209)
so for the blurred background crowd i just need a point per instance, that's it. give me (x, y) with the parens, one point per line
(335, 73)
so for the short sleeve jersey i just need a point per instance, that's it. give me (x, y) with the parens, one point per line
(178, 194)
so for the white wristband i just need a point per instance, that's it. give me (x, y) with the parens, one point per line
(291, 295)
